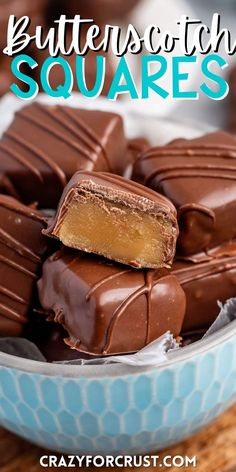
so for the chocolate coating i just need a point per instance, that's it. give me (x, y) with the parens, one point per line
(231, 117)
(118, 190)
(136, 146)
(224, 250)
(199, 177)
(204, 284)
(101, 303)
(45, 146)
(22, 247)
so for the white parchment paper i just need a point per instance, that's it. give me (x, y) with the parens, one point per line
(152, 355)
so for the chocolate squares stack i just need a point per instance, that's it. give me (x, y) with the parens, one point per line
(97, 300)
(116, 238)
(117, 259)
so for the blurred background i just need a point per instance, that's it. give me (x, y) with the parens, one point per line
(141, 13)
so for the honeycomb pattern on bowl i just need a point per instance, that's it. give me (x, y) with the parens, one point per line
(130, 414)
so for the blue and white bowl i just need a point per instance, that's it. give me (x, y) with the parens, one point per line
(118, 409)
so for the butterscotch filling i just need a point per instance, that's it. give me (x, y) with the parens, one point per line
(116, 231)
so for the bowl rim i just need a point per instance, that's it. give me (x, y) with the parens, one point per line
(104, 372)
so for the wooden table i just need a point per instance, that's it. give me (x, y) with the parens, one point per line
(215, 448)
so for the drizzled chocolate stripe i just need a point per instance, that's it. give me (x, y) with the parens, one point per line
(45, 145)
(25, 144)
(81, 131)
(146, 289)
(109, 278)
(20, 158)
(193, 272)
(12, 295)
(11, 314)
(65, 119)
(40, 155)
(92, 140)
(17, 246)
(187, 171)
(204, 283)
(121, 309)
(222, 151)
(190, 167)
(48, 128)
(18, 208)
(16, 266)
(67, 126)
